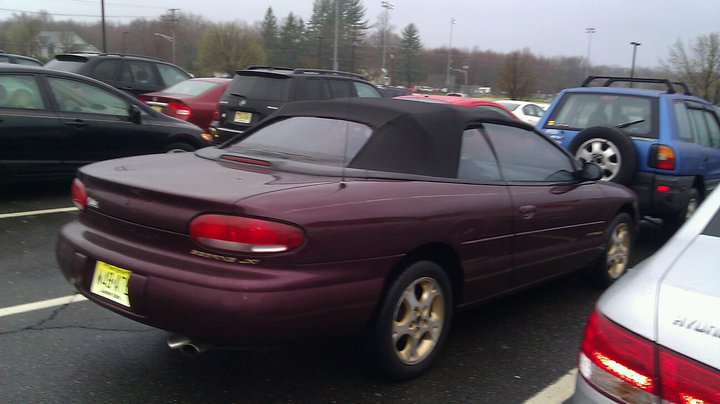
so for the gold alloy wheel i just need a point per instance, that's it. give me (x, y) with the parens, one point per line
(418, 320)
(618, 252)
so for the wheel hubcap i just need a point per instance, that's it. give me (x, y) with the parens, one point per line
(618, 251)
(418, 320)
(603, 153)
(691, 207)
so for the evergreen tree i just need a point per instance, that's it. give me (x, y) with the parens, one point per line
(355, 28)
(269, 33)
(410, 69)
(292, 45)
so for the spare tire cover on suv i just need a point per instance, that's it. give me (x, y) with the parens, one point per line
(609, 148)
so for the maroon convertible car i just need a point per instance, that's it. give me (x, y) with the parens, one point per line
(369, 217)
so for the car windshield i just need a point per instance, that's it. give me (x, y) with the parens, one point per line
(261, 87)
(324, 141)
(190, 87)
(633, 114)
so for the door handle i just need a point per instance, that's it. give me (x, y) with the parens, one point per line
(78, 123)
(527, 211)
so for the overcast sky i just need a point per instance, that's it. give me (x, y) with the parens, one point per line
(547, 27)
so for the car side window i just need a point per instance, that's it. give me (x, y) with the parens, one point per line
(699, 126)
(316, 89)
(713, 128)
(171, 75)
(527, 156)
(139, 72)
(105, 70)
(21, 92)
(477, 160)
(364, 90)
(340, 88)
(683, 122)
(76, 96)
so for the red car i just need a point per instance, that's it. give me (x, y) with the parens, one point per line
(193, 100)
(456, 100)
(377, 217)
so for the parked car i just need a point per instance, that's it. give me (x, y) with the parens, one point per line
(18, 59)
(653, 336)
(376, 217)
(663, 143)
(525, 111)
(258, 91)
(133, 74)
(455, 100)
(52, 122)
(193, 100)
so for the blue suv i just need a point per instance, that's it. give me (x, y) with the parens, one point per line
(651, 135)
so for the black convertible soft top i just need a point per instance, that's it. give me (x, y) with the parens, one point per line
(408, 136)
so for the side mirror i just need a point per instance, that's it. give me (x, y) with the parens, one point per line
(591, 172)
(135, 114)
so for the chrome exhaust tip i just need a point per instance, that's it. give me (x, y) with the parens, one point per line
(187, 346)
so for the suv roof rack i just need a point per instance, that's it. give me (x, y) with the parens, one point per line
(307, 71)
(609, 80)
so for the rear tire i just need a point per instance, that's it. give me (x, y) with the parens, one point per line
(413, 322)
(610, 149)
(693, 201)
(613, 263)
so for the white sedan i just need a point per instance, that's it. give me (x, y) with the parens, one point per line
(526, 111)
(654, 336)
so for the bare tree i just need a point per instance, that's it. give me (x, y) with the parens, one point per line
(698, 65)
(516, 76)
(227, 47)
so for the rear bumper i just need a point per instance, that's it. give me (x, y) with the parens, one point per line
(585, 393)
(657, 203)
(253, 306)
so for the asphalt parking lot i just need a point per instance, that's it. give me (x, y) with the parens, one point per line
(511, 350)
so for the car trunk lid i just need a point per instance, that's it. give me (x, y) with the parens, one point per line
(688, 319)
(168, 191)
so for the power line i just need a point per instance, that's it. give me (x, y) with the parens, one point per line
(94, 2)
(77, 15)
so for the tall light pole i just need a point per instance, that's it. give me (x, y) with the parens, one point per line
(632, 67)
(588, 31)
(335, 45)
(449, 65)
(387, 6)
(172, 40)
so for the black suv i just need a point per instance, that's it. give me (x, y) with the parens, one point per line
(52, 122)
(18, 59)
(258, 91)
(133, 74)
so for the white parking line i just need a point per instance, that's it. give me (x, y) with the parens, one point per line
(36, 212)
(44, 304)
(558, 392)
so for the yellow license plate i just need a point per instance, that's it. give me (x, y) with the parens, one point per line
(156, 108)
(242, 117)
(111, 283)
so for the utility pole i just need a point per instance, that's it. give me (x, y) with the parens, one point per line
(102, 11)
(387, 6)
(449, 65)
(588, 31)
(173, 20)
(335, 45)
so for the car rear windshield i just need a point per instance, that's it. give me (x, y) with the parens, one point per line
(635, 115)
(190, 87)
(66, 65)
(260, 87)
(323, 141)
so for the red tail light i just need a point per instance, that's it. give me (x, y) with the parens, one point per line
(216, 115)
(622, 365)
(179, 109)
(79, 194)
(662, 157)
(244, 234)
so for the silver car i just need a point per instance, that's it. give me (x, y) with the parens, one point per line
(654, 336)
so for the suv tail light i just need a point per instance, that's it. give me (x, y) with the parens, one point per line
(79, 194)
(662, 157)
(623, 365)
(244, 234)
